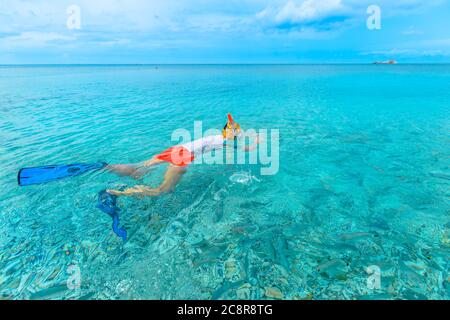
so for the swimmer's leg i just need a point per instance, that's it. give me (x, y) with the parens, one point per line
(136, 171)
(172, 176)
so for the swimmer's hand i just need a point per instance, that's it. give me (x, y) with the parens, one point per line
(259, 139)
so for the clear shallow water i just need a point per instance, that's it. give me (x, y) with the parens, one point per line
(364, 180)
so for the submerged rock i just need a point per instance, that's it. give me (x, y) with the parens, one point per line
(273, 292)
(244, 293)
(56, 292)
(230, 268)
(335, 268)
(225, 290)
(355, 236)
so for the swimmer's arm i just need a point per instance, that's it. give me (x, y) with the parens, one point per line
(254, 145)
(246, 148)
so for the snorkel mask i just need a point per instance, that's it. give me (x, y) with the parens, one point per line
(232, 125)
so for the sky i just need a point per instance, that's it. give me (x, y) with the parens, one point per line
(227, 31)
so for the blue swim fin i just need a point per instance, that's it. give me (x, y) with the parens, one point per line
(108, 204)
(38, 175)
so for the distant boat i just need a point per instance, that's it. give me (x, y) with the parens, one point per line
(386, 62)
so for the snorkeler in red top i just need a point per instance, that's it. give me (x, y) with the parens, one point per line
(178, 157)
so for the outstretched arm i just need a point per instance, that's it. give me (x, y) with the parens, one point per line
(249, 148)
(254, 145)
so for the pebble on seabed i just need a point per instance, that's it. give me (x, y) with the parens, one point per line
(272, 292)
(243, 293)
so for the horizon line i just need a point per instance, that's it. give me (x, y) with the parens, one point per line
(215, 64)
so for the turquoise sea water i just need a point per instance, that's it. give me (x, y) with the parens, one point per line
(364, 181)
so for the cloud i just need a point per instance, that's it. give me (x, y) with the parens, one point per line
(111, 16)
(396, 52)
(307, 16)
(325, 15)
(34, 39)
(152, 27)
(440, 43)
(412, 32)
(305, 11)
